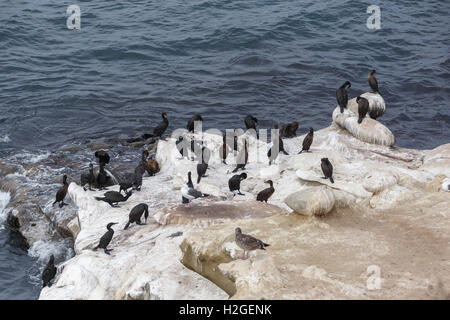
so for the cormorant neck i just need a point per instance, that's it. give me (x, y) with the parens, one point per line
(190, 185)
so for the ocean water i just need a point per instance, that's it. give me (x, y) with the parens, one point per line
(278, 60)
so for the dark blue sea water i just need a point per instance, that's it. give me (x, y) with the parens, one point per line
(279, 60)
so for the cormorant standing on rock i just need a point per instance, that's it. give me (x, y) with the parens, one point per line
(250, 123)
(363, 108)
(102, 156)
(191, 121)
(49, 272)
(201, 170)
(136, 214)
(202, 166)
(342, 96)
(235, 182)
(266, 193)
(182, 146)
(160, 128)
(102, 177)
(188, 192)
(327, 169)
(242, 157)
(114, 197)
(137, 178)
(61, 194)
(248, 243)
(106, 238)
(88, 178)
(307, 142)
(289, 130)
(280, 149)
(125, 185)
(373, 82)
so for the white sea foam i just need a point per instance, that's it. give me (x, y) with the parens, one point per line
(4, 200)
(5, 138)
(44, 249)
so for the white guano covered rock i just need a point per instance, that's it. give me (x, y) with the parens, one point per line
(370, 130)
(312, 201)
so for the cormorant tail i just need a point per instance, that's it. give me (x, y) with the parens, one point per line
(199, 178)
(99, 198)
(127, 225)
(360, 120)
(331, 179)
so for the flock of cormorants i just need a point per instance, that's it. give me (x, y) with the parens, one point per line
(188, 192)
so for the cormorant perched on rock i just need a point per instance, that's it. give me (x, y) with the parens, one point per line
(248, 243)
(102, 177)
(242, 158)
(363, 108)
(160, 128)
(342, 96)
(102, 156)
(188, 192)
(307, 142)
(201, 170)
(327, 169)
(49, 272)
(373, 81)
(235, 182)
(266, 193)
(88, 178)
(114, 197)
(61, 194)
(190, 124)
(289, 130)
(125, 185)
(275, 154)
(251, 122)
(227, 148)
(137, 178)
(106, 238)
(136, 214)
(182, 146)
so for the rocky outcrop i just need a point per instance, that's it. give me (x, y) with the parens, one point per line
(370, 130)
(385, 212)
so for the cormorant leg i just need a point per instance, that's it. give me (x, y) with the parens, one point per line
(240, 193)
(107, 251)
(61, 204)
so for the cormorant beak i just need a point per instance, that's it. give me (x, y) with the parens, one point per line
(441, 182)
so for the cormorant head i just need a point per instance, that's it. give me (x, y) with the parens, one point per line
(373, 72)
(357, 99)
(324, 159)
(243, 175)
(96, 154)
(269, 182)
(64, 178)
(91, 166)
(110, 225)
(295, 124)
(144, 154)
(237, 231)
(129, 193)
(164, 115)
(52, 259)
(198, 117)
(311, 130)
(347, 84)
